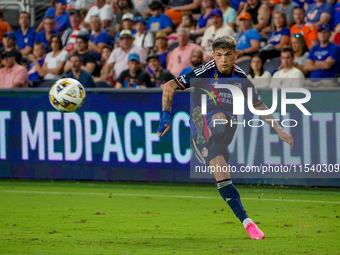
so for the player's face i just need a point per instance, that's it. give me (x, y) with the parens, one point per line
(256, 63)
(224, 59)
(287, 59)
(299, 16)
(24, 20)
(295, 44)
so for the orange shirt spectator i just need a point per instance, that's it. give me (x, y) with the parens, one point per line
(4, 26)
(12, 75)
(309, 32)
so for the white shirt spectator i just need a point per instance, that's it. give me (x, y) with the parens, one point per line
(302, 60)
(262, 81)
(144, 40)
(294, 78)
(120, 59)
(53, 62)
(105, 13)
(210, 35)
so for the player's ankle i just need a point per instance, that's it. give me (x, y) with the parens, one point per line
(246, 221)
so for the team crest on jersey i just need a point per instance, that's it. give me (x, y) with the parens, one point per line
(182, 79)
(204, 152)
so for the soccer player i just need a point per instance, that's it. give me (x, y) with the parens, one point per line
(211, 142)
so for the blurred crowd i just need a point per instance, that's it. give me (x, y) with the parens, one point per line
(145, 43)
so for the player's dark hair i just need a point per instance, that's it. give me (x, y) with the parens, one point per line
(251, 71)
(224, 42)
(288, 49)
(24, 12)
(155, 5)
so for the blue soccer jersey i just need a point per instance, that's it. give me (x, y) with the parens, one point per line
(25, 40)
(204, 80)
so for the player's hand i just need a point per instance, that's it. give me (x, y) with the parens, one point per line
(164, 124)
(286, 137)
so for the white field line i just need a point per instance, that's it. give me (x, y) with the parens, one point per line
(163, 196)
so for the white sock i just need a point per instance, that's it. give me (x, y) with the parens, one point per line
(246, 221)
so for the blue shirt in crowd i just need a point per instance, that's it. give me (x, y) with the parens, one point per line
(158, 23)
(102, 37)
(236, 3)
(317, 53)
(313, 12)
(243, 39)
(40, 37)
(61, 23)
(275, 36)
(25, 40)
(32, 70)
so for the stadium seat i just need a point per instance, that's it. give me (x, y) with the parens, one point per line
(244, 65)
(272, 64)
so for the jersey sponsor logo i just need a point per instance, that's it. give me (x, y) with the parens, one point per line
(182, 79)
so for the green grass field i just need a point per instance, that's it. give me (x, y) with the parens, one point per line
(65, 217)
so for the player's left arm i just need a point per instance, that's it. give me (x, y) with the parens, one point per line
(270, 119)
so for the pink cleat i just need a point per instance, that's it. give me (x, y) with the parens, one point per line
(253, 231)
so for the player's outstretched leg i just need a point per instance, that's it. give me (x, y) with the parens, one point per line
(205, 130)
(230, 194)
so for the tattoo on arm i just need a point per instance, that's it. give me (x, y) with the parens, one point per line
(168, 95)
(269, 119)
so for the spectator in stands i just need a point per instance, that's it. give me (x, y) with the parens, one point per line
(323, 60)
(10, 46)
(125, 6)
(119, 57)
(104, 80)
(37, 58)
(287, 7)
(158, 21)
(59, 14)
(260, 15)
(259, 77)
(335, 20)
(196, 59)
(203, 21)
(77, 72)
(45, 35)
(70, 34)
(277, 39)
(188, 22)
(248, 41)
(4, 26)
(289, 76)
(308, 30)
(238, 5)
(319, 13)
(127, 22)
(25, 35)
(54, 61)
(299, 46)
(89, 61)
(103, 11)
(12, 75)
(161, 47)
(134, 76)
(142, 6)
(98, 38)
(229, 14)
(217, 29)
(82, 4)
(179, 58)
(159, 76)
(335, 37)
(142, 37)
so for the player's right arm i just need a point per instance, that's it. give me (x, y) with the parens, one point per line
(168, 94)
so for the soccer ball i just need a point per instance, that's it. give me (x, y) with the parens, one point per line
(67, 95)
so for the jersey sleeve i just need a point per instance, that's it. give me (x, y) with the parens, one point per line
(257, 100)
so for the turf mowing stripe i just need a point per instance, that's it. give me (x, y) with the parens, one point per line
(157, 195)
